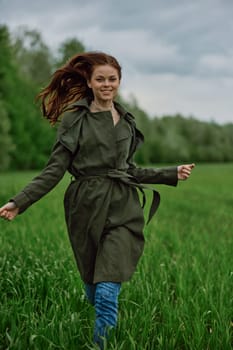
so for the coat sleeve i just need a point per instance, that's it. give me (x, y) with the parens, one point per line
(166, 175)
(59, 161)
(49, 177)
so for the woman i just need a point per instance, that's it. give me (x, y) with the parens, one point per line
(96, 141)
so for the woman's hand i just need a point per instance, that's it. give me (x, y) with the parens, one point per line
(184, 171)
(9, 211)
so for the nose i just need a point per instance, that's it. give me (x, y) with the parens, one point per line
(106, 82)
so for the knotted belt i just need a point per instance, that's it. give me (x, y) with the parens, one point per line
(126, 178)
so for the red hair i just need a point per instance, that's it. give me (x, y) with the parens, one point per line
(69, 83)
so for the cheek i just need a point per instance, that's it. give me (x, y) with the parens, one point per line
(93, 86)
(116, 85)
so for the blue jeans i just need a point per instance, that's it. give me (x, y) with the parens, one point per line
(104, 296)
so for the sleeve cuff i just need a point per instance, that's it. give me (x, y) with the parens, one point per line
(22, 201)
(171, 176)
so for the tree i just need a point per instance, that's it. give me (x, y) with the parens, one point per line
(6, 144)
(6, 77)
(21, 120)
(67, 49)
(32, 56)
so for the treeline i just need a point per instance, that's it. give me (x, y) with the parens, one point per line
(183, 139)
(26, 64)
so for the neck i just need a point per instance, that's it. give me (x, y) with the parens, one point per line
(102, 105)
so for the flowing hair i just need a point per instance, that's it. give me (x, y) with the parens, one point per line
(69, 83)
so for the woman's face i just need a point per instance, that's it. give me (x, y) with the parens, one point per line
(104, 83)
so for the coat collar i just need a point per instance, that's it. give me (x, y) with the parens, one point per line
(85, 103)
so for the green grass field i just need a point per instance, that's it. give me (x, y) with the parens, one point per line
(179, 298)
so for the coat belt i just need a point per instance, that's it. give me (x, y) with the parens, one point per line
(126, 178)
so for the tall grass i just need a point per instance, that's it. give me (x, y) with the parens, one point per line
(179, 298)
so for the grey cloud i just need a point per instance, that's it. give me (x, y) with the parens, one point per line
(195, 28)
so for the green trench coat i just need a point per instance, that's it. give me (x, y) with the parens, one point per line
(102, 209)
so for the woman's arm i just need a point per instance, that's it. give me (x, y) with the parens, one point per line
(166, 175)
(41, 184)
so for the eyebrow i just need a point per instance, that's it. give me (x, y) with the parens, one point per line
(102, 76)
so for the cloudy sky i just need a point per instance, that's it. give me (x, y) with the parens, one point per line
(176, 55)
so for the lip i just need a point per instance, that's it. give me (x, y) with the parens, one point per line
(106, 92)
